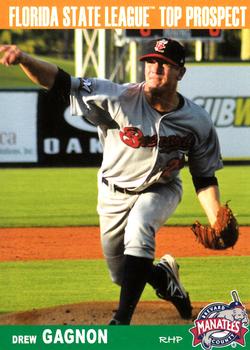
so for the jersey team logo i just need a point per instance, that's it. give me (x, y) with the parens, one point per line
(132, 136)
(219, 325)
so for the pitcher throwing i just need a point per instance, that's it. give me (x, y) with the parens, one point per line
(147, 130)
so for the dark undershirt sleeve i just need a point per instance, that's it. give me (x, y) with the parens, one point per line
(203, 182)
(60, 91)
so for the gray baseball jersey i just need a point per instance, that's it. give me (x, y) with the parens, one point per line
(147, 148)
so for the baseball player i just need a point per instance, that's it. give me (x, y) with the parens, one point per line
(147, 130)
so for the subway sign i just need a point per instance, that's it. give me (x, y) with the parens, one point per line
(227, 111)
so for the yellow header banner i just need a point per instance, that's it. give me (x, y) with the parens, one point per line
(132, 14)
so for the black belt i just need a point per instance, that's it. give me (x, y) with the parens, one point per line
(119, 189)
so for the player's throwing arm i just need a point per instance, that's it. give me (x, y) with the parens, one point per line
(40, 72)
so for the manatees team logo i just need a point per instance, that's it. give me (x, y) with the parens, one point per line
(220, 325)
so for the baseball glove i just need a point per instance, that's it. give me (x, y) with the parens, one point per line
(223, 235)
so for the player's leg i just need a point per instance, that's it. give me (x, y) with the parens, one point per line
(164, 276)
(113, 220)
(135, 274)
(165, 280)
(113, 208)
(149, 212)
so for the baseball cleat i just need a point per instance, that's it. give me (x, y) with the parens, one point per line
(171, 288)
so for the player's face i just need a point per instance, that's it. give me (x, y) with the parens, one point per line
(159, 73)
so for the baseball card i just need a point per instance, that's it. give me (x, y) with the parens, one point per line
(124, 172)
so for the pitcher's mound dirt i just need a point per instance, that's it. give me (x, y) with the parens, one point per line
(99, 313)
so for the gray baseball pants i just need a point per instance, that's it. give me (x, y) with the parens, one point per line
(128, 223)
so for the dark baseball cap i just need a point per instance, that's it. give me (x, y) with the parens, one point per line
(165, 49)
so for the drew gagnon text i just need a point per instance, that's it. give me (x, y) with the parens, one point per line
(65, 336)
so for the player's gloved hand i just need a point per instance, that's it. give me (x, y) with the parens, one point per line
(223, 235)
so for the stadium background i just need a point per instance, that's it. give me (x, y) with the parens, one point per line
(50, 252)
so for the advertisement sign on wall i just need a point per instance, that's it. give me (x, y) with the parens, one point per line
(224, 91)
(63, 139)
(18, 127)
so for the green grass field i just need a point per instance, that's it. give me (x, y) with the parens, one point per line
(67, 197)
(13, 77)
(28, 285)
